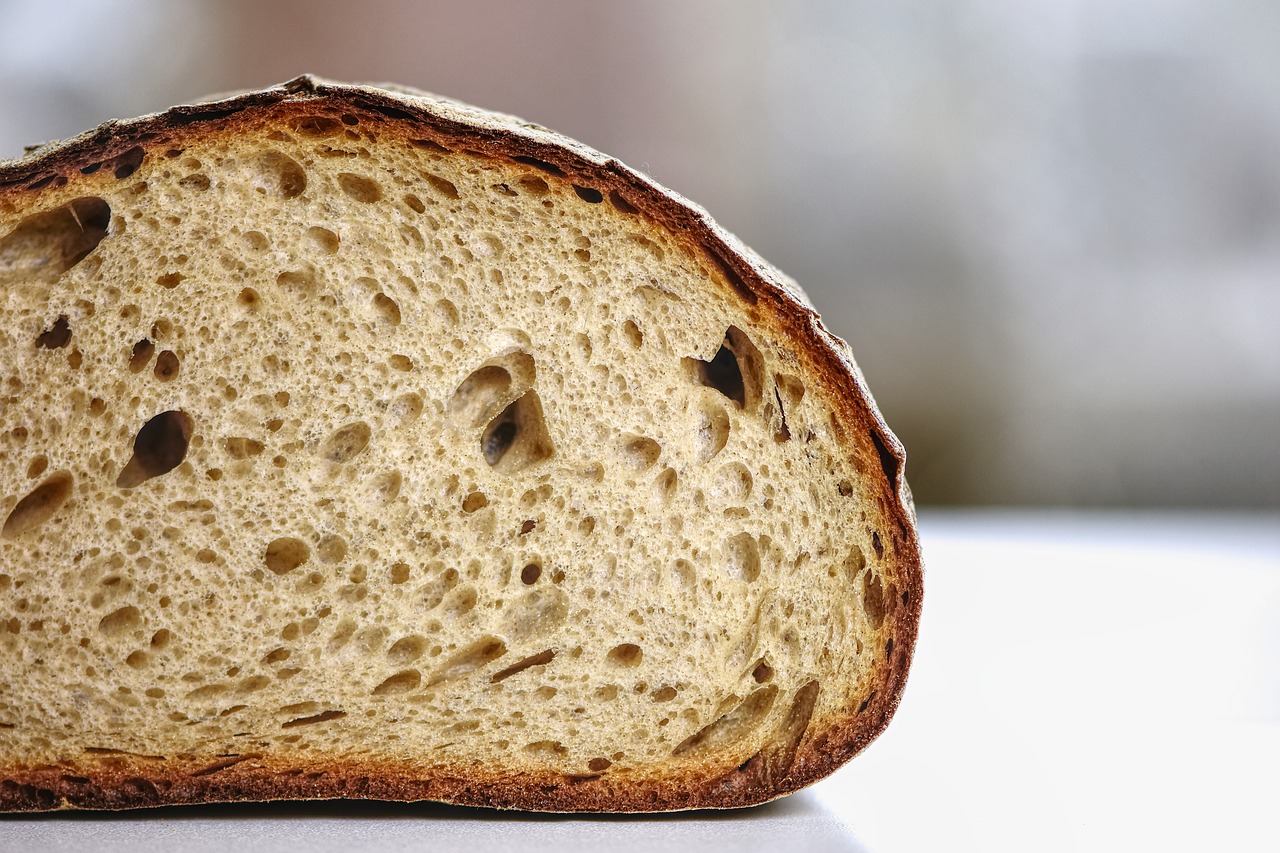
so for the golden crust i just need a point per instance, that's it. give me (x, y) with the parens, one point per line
(816, 748)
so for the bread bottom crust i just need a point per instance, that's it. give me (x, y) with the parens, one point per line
(116, 781)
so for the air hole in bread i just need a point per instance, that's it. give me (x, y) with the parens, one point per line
(735, 370)
(239, 447)
(333, 549)
(322, 717)
(401, 682)
(588, 194)
(888, 462)
(874, 602)
(286, 553)
(126, 163)
(346, 443)
(711, 432)
(385, 487)
(256, 240)
(762, 672)
(536, 614)
(540, 659)
(733, 727)
(664, 694)
(317, 126)
(278, 174)
(533, 185)
(323, 240)
(446, 312)
(359, 188)
(386, 309)
(46, 245)
(120, 621)
(167, 366)
(666, 484)
(406, 408)
(197, 182)
(787, 393)
(57, 336)
(37, 466)
(640, 452)
(407, 649)
(440, 185)
(170, 280)
(39, 505)
(733, 483)
(621, 203)
(517, 438)
(249, 298)
(742, 557)
(430, 145)
(549, 168)
(159, 447)
(731, 275)
(484, 393)
(854, 564)
(547, 749)
(469, 659)
(625, 655)
(141, 355)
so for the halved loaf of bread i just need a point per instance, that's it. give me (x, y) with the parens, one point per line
(357, 443)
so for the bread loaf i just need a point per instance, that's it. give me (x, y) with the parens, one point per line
(358, 443)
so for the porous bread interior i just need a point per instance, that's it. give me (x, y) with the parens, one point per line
(467, 465)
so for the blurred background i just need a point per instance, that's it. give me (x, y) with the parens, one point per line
(1051, 230)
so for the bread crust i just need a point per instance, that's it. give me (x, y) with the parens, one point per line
(118, 780)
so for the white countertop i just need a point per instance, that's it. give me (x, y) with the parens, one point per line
(1082, 682)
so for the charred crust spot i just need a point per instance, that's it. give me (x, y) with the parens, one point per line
(182, 116)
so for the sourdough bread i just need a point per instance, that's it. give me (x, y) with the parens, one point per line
(358, 443)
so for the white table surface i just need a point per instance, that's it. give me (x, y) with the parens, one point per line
(1082, 682)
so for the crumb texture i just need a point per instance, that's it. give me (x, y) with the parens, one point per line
(317, 443)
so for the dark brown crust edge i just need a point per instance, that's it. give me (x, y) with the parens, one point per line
(122, 781)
